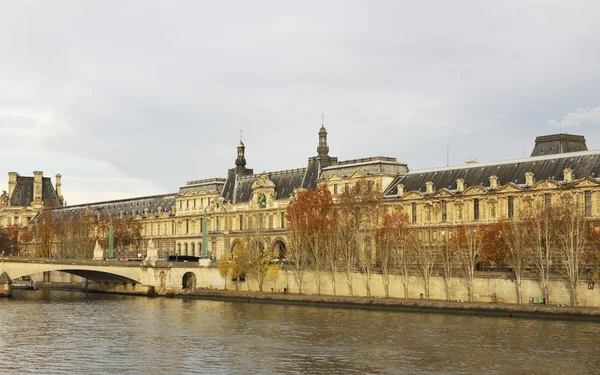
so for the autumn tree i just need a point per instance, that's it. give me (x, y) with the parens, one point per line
(360, 204)
(572, 233)
(448, 260)
(425, 253)
(257, 257)
(310, 216)
(514, 236)
(224, 268)
(239, 262)
(469, 243)
(389, 238)
(540, 224)
(45, 233)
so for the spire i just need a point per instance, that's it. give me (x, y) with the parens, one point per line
(323, 149)
(240, 162)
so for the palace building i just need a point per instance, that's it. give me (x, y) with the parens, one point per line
(27, 196)
(560, 166)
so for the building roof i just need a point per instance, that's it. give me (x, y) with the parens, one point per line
(22, 196)
(558, 144)
(131, 206)
(547, 167)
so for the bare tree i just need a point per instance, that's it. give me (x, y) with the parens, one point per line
(540, 225)
(468, 242)
(572, 233)
(425, 252)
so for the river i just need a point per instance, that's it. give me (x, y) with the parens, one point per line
(58, 332)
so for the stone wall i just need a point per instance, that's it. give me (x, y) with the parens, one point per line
(500, 288)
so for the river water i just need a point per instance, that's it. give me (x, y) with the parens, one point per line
(55, 332)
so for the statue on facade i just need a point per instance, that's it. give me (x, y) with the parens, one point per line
(4, 197)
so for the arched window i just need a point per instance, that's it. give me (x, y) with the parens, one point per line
(185, 246)
(178, 249)
(193, 249)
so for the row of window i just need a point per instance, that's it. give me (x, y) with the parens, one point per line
(187, 202)
(510, 207)
(369, 185)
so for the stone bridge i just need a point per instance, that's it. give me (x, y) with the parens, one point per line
(147, 277)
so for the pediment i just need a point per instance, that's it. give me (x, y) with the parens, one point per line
(508, 188)
(334, 177)
(413, 195)
(443, 193)
(357, 174)
(586, 181)
(545, 184)
(474, 190)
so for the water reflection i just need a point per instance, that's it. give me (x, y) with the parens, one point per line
(51, 332)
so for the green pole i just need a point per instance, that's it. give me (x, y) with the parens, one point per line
(111, 254)
(204, 254)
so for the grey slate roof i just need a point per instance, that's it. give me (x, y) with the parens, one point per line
(584, 163)
(238, 189)
(127, 206)
(558, 144)
(22, 196)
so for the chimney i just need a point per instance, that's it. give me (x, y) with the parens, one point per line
(494, 182)
(37, 186)
(400, 190)
(460, 184)
(59, 186)
(528, 179)
(568, 175)
(12, 183)
(429, 187)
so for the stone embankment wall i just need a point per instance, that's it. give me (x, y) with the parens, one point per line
(487, 288)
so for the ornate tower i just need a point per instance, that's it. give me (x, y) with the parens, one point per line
(323, 149)
(240, 162)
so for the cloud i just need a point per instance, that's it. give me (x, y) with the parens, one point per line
(158, 98)
(579, 117)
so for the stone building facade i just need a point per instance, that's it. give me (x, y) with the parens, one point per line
(27, 196)
(438, 198)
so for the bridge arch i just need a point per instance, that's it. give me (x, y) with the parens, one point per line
(188, 280)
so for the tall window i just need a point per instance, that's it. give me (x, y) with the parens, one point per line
(241, 223)
(261, 222)
(180, 204)
(476, 209)
(335, 189)
(414, 212)
(369, 185)
(187, 203)
(194, 202)
(444, 211)
(547, 200)
(511, 206)
(282, 220)
(346, 188)
(187, 225)
(217, 223)
(588, 203)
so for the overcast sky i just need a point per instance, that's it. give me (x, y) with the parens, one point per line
(131, 98)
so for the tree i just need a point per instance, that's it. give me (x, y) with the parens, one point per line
(425, 253)
(45, 233)
(572, 233)
(469, 243)
(239, 263)
(540, 224)
(310, 215)
(514, 237)
(361, 205)
(448, 260)
(224, 268)
(273, 273)
(389, 238)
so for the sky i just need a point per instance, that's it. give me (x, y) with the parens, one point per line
(134, 98)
